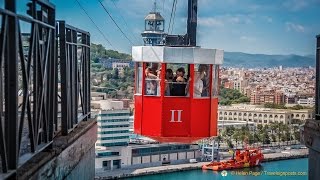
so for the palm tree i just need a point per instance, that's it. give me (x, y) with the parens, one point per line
(274, 128)
(279, 132)
(236, 136)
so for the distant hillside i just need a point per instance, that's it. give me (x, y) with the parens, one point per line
(98, 51)
(238, 59)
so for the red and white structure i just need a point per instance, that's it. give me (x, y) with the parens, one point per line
(183, 119)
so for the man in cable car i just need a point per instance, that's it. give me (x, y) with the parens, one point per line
(179, 85)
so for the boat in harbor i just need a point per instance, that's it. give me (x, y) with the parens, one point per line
(243, 158)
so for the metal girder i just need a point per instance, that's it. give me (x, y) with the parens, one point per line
(29, 78)
(317, 105)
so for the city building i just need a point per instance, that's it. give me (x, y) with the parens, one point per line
(260, 115)
(139, 156)
(112, 133)
(267, 96)
(110, 63)
(120, 65)
(240, 85)
(307, 102)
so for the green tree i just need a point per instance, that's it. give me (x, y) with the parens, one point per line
(115, 74)
(237, 136)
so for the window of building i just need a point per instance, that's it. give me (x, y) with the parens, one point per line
(113, 138)
(265, 116)
(114, 114)
(114, 126)
(240, 114)
(265, 121)
(113, 144)
(113, 132)
(281, 117)
(297, 115)
(106, 165)
(116, 164)
(113, 120)
(260, 115)
(260, 121)
(106, 154)
(245, 114)
(276, 116)
(220, 118)
(270, 116)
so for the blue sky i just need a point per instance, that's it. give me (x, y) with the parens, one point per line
(251, 26)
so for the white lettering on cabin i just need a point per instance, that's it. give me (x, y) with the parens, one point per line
(173, 115)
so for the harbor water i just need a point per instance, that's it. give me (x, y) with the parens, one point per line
(296, 169)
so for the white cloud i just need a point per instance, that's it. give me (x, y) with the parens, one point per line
(222, 20)
(268, 19)
(210, 22)
(295, 5)
(247, 38)
(294, 27)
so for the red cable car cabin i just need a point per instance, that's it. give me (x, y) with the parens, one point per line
(179, 107)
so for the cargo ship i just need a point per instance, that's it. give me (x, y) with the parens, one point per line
(242, 159)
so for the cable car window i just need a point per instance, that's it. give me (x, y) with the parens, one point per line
(201, 81)
(139, 78)
(177, 78)
(215, 80)
(152, 79)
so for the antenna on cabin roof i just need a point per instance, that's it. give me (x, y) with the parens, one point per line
(155, 6)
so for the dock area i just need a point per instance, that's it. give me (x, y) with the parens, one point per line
(126, 173)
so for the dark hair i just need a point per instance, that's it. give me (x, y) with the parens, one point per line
(181, 70)
(169, 71)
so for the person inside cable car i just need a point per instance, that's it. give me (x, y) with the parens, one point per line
(203, 69)
(198, 85)
(168, 80)
(179, 85)
(149, 74)
(151, 83)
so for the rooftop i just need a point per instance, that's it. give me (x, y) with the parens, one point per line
(154, 16)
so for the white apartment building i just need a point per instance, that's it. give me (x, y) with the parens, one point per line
(112, 134)
(307, 102)
(120, 66)
(260, 115)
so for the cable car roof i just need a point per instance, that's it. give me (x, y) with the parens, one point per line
(183, 55)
